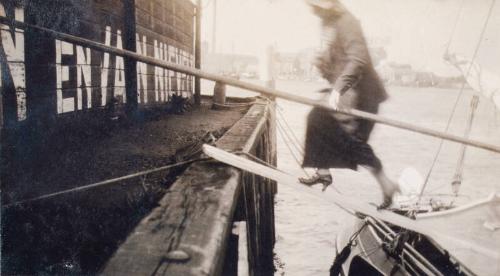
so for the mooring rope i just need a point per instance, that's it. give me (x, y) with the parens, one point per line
(289, 139)
(344, 254)
(295, 139)
(105, 182)
(127, 177)
(281, 131)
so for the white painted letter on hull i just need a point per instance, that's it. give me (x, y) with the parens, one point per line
(13, 46)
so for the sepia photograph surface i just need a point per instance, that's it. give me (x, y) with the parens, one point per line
(250, 137)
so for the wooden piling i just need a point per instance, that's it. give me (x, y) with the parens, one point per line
(197, 52)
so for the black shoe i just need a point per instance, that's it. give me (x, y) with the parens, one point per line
(386, 204)
(326, 180)
(388, 199)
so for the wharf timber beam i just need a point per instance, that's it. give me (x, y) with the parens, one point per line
(189, 232)
(253, 87)
(186, 234)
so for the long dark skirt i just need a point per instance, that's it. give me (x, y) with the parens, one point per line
(340, 141)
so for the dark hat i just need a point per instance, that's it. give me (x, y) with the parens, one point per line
(327, 7)
(323, 4)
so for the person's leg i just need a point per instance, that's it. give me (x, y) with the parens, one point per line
(318, 147)
(388, 187)
(363, 155)
(321, 171)
(368, 159)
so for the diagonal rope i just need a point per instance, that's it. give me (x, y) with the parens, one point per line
(458, 98)
(289, 139)
(452, 35)
(296, 140)
(281, 131)
(440, 146)
(104, 183)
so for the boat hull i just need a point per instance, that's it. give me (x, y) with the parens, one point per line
(378, 248)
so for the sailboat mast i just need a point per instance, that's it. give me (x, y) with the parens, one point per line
(457, 179)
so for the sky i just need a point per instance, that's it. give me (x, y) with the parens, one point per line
(413, 31)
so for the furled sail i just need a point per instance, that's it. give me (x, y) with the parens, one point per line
(479, 79)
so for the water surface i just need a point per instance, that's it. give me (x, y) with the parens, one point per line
(307, 227)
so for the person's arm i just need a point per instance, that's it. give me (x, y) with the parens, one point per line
(351, 36)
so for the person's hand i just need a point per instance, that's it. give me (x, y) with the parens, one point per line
(333, 100)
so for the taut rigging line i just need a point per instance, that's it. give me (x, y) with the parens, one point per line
(474, 55)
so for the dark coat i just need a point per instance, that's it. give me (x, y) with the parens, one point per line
(336, 140)
(346, 62)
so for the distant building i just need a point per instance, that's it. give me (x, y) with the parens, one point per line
(226, 63)
(286, 65)
(404, 75)
(230, 64)
(299, 65)
(395, 73)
